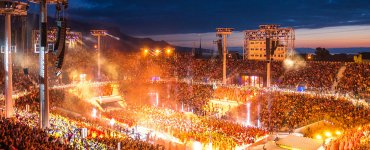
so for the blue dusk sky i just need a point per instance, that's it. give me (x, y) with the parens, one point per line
(326, 23)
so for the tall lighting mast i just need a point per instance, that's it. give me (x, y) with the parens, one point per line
(223, 33)
(9, 8)
(272, 43)
(43, 59)
(275, 37)
(99, 34)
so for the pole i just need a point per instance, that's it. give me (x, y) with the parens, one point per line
(224, 60)
(268, 80)
(99, 57)
(244, 47)
(243, 53)
(8, 68)
(268, 61)
(43, 59)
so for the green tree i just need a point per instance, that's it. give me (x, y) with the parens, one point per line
(322, 54)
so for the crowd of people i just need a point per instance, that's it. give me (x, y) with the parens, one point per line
(240, 94)
(18, 135)
(316, 75)
(356, 78)
(65, 126)
(356, 138)
(277, 111)
(294, 110)
(189, 127)
(306, 108)
(68, 131)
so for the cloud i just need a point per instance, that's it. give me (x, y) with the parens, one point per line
(329, 37)
(148, 17)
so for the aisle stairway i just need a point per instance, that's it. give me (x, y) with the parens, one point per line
(338, 77)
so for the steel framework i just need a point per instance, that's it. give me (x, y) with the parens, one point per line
(270, 33)
(285, 36)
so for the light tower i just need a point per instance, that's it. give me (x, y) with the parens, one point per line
(269, 42)
(99, 34)
(224, 33)
(274, 37)
(43, 59)
(9, 8)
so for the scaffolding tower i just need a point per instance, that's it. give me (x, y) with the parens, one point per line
(285, 37)
(269, 42)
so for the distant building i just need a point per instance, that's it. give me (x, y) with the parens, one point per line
(255, 42)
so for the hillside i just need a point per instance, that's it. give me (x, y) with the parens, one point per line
(126, 42)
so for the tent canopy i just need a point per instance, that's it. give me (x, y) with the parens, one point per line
(297, 142)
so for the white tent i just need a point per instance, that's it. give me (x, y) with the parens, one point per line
(270, 145)
(297, 142)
